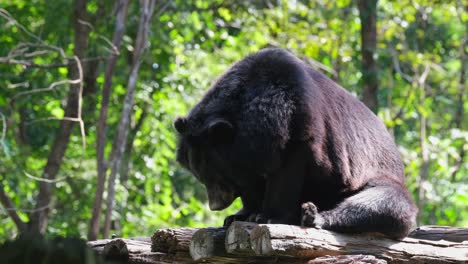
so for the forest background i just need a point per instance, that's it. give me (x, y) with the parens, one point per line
(89, 90)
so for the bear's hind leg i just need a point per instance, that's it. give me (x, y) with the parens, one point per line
(384, 209)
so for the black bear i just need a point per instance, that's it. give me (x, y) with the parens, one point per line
(297, 148)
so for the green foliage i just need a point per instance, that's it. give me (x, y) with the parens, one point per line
(192, 42)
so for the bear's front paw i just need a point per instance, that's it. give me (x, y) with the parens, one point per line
(258, 218)
(309, 215)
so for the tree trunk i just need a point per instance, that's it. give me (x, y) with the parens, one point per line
(147, 8)
(462, 92)
(284, 240)
(172, 240)
(368, 15)
(39, 218)
(424, 169)
(10, 208)
(126, 158)
(453, 234)
(122, 7)
(208, 242)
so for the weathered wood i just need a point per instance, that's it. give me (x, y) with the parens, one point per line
(286, 240)
(238, 238)
(137, 250)
(208, 242)
(454, 234)
(238, 242)
(116, 249)
(347, 259)
(172, 240)
(208, 246)
(246, 242)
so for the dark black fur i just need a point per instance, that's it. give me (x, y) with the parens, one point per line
(282, 136)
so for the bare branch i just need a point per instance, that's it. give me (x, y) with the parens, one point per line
(42, 179)
(86, 23)
(80, 100)
(114, 50)
(5, 14)
(32, 64)
(16, 85)
(50, 88)
(422, 79)
(409, 79)
(25, 210)
(396, 66)
(317, 65)
(72, 119)
(23, 47)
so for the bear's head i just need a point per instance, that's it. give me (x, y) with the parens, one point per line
(203, 149)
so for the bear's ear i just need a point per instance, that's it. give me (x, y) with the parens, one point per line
(180, 124)
(219, 131)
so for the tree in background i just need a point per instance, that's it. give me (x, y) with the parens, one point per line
(368, 16)
(419, 90)
(122, 10)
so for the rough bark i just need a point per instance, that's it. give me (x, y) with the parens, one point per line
(238, 238)
(147, 8)
(288, 244)
(284, 240)
(210, 245)
(128, 251)
(208, 242)
(39, 218)
(368, 16)
(348, 259)
(447, 233)
(172, 240)
(122, 8)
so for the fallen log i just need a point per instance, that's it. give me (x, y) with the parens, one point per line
(286, 240)
(454, 234)
(136, 250)
(208, 242)
(172, 240)
(208, 246)
(238, 238)
(246, 242)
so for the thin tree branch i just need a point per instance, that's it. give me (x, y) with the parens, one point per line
(409, 79)
(25, 210)
(42, 179)
(5, 14)
(396, 66)
(47, 89)
(30, 64)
